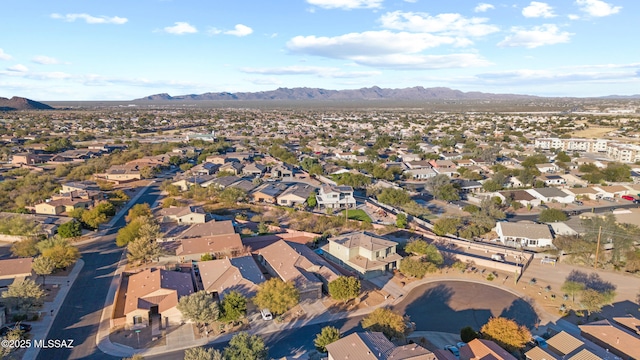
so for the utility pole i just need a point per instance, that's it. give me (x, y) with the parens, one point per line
(595, 264)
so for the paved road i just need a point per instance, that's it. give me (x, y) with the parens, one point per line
(449, 306)
(598, 210)
(79, 316)
(285, 343)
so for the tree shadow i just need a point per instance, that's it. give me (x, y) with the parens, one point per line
(591, 281)
(522, 312)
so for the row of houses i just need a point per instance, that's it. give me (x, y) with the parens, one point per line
(537, 196)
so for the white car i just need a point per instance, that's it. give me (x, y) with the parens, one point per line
(266, 314)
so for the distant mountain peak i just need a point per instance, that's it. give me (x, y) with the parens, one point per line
(20, 103)
(370, 93)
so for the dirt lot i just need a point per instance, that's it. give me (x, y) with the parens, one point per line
(593, 133)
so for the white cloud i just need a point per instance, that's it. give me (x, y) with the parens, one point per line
(240, 30)
(4, 55)
(181, 28)
(573, 17)
(89, 19)
(18, 68)
(45, 60)
(447, 24)
(411, 1)
(547, 34)
(369, 43)
(538, 9)
(597, 8)
(411, 61)
(483, 7)
(346, 4)
(325, 72)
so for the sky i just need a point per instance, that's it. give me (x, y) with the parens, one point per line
(122, 50)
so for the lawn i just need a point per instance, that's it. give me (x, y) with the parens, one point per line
(359, 215)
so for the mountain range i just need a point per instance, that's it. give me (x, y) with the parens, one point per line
(371, 93)
(20, 103)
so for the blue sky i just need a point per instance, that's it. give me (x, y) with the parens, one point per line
(121, 50)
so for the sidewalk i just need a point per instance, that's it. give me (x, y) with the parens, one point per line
(40, 329)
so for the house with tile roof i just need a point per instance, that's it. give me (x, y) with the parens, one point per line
(154, 293)
(481, 349)
(368, 254)
(183, 215)
(296, 263)
(374, 345)
(217, 238)
(14, 269)
(617, 340)
(222, 276)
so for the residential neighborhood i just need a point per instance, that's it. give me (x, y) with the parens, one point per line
(305, 220)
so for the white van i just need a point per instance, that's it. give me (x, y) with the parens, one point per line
(497, 257)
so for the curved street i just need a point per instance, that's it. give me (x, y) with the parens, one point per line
(79, 316)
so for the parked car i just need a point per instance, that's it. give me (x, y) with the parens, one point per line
(540, 341)
(628, 197)
(608, 198)
(6, 328)
(266, 314)
(578, 202)
(454, 350)
(497, 257)
(543, 206)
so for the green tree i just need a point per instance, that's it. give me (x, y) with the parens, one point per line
(131, 231)
(563, 157)
(263, 228)
(552, 215)
(70, 229)
(506, 333)
(593, 300)
(572, 288)
(401, 220)
(394, 197)
(43, 266)
(344, 288)
(243, 346)
(14, 335)
(415, 267)
(491, 186)
(417, 246)
(467, 334)
(25, 247)
(428, 251)
(138, 210)
(391, 324)
(311, 201)
(200, 353)
(234, 306)
(145, 247)
(23, 296)
(60, 251)
(199, 307)
(277, 296)
(327, 335)
(447, 225)
(232, 195)
(93, 218)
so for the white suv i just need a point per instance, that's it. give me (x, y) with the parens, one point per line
(266, 314)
